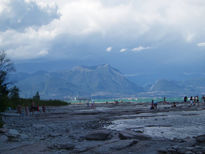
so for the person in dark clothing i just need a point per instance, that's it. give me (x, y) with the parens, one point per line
(185, 99)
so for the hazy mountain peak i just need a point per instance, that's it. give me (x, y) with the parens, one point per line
(94, 68)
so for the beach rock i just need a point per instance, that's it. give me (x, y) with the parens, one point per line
(13, 133)
(162, 151)
(126, 135)
(3, 130)
(189, 152)
(131, 135)
(38, 126)
(24, 136)
(65, 146)
(3, 138)
(99, 135)
(200, 138)
(123, 144)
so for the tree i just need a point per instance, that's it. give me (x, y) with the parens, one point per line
(14, 96)
(6, 66)
(36, 98)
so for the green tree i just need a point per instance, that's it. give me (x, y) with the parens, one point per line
(36, 98)
(14, 96)
(6, 66)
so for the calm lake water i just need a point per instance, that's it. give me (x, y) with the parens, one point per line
(134, 100)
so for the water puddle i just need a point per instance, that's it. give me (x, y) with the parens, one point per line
(179, 124)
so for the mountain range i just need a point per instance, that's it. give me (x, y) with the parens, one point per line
(80, 81)
(101, 81)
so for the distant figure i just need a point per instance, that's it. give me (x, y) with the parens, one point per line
(197, 100)
(19, 109)
(32, 109)
(155, 104)
(88, 103)
(93, 104)
(152, 105)
(191, 100)
(164, 99)
(116, 102)
(44, 108)
(38, 108)
(106, 102)
(185, 99)
(26, 110)
(174, 105)
(203, 99)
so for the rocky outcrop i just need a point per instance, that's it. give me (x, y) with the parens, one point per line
(123, 144)
(99, 135)
(200, 139)
(124, 135)
(64, 146)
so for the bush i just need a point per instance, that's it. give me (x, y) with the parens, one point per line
(28, 102)
(1, 122)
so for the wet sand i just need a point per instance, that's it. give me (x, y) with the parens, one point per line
(108, 128)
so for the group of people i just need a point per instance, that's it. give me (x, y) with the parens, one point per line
(30, 110)
(194, 100)
(92, 104)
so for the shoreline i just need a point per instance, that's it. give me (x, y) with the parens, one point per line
(81, 129)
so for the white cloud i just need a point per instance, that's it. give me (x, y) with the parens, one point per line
(109, 49)
(201, 44)
(140, 48)
(152, 21)
(123, 50)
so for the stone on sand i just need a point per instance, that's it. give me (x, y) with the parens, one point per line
(98, 135)
(124, 135)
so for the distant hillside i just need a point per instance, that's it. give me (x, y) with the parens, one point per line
(176, 88)
(166, 85)
(83, 81)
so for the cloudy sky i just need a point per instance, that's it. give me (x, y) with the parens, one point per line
(172, 32)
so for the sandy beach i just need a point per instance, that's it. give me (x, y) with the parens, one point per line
(107, 128)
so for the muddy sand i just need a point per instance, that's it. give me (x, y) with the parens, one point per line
(108, 128)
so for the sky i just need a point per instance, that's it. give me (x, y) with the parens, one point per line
(148, 34)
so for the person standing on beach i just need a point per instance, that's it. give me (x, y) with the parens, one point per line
(191, 100)
(32, 107)
(44, 108)
(26, 110)
(203, 99)
(197, 100)
(93, 104)
(152, 105)
(185, 99)
(19, 109)
(155, 104)
(164, 99)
